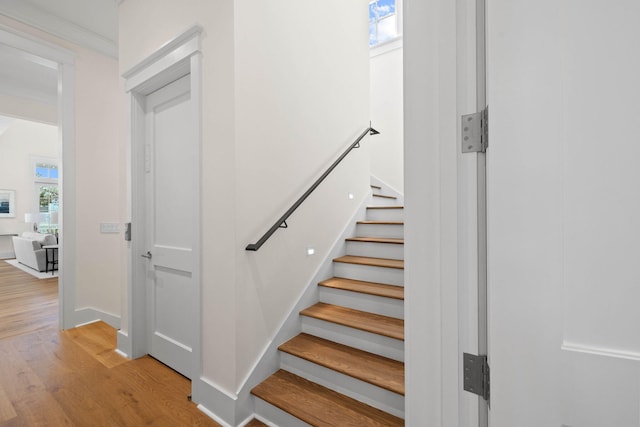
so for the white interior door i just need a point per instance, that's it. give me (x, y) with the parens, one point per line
(564, 209)
(171, 158)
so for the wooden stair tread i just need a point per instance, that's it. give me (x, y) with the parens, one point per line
(255, 423)
(384, 196)
(386, 207)
(362, 320)
(368, 367)
(317, 405)
(377, 187)
(370, 288)
(375, 262)
(393, 240)
(381, 222)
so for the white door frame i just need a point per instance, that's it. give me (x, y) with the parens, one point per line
(440, 243)
(179, 57)
(62, 60)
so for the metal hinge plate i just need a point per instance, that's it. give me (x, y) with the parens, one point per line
(476, 375)
(475, 132)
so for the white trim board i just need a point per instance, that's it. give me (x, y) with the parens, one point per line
(600, 351)
(88, 315)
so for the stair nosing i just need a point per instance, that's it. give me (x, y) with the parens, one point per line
(314, 390)
(373, 222)
(357, 357)
(383, 240)
(384, 196)
(364, 284)
(312, 312)
(369, 261)
(386, 207)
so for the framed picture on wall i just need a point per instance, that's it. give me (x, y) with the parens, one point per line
(7, 204)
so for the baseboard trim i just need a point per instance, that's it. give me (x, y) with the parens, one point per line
(124, 344)
(213, 416)
(83, 316)
(213, 400)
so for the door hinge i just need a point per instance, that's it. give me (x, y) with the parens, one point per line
(475, 131)
(476, 375)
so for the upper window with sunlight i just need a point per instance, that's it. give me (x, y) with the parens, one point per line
(46, 171)
(383, 21)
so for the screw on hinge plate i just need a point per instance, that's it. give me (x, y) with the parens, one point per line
(476, 375)
(475, 132)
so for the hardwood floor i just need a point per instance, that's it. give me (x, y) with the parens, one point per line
(27, 304)
(74, 377)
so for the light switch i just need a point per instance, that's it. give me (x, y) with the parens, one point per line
(109, 227)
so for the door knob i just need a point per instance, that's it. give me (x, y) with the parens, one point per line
(147, 255)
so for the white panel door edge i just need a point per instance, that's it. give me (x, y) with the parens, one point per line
(563, 208)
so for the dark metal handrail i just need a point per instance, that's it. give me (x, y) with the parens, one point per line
(282, 222)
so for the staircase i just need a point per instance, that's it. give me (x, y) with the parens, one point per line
(346, 368)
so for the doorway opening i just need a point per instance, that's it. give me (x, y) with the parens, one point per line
(41, 78)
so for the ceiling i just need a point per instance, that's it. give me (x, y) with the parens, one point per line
(92, 24)
(89, 23)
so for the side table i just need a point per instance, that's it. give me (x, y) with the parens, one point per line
(51, 258)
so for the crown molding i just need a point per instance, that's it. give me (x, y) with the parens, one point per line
(55, 25)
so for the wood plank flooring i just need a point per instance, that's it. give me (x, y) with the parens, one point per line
(27, 304)
(75, 378)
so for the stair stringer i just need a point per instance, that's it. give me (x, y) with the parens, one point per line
(269, 361)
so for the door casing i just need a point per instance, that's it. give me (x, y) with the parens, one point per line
(63, 60)
(177, 58)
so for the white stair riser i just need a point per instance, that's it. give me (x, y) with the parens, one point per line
(376, 250)
(383, 201)
(380, 230)
(372, 395)
(276, 416)
(391, 276)
(385, 214)
(364, 302)
(373, 343)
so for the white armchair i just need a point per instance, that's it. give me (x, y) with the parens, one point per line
(28, 249)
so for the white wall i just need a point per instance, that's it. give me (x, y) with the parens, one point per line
(301, 98)
(387, 114)
(99, 182)
(100, 188)
(285, 91)
(28, 109)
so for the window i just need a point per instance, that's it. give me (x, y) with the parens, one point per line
(46, 171)
(384, 21)
(46, 191)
